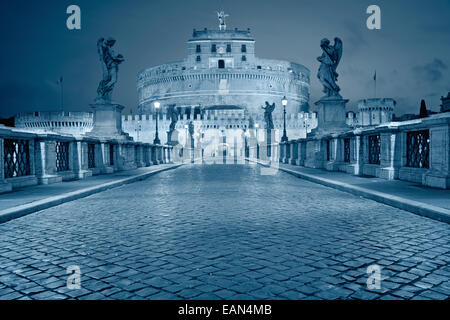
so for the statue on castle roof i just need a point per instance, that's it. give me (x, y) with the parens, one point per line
(110, 67)
(329, 61)
(268, 109)
(222, 15)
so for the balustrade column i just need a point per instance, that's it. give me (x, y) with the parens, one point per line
(4, 186)
(106, 166)
(81, 160)
(45, 156)
(439, 174)
(390, 156)
(294, 153)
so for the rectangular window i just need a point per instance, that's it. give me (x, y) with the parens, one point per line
(213, 48)
(244, 58)
(198, 59)
(228, 48)
(221, 64)
(418, 149)
(198, 49)
(374, 149)
(244, 48)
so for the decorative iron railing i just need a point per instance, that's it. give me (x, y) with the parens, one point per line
(328, 150)
(62, 156)
(374, 149)
(16, 158)
(347, 150)
(418, 149)
(111, 154)
(91, 155)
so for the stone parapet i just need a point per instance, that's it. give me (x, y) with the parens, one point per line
(416, 150)
(30, 158)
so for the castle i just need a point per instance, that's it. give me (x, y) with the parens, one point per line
(218, 91)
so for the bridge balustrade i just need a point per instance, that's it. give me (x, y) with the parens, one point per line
(415, 150)
(30, 158)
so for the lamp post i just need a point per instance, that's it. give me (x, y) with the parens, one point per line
(257, 142)
(284, 138)
(187, 137)
(156, 140)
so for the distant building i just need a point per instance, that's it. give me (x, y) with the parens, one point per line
(75, 123)
(373, 112)
(220, 86)
(445, 106)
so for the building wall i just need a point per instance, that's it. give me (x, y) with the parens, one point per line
(198, 80)
(142, 127)
(372, 112)
(74, 123)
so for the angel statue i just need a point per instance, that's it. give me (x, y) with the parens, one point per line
(110, 67)
(329, 61)
(268, 109)
(221, 16)
(173, 114)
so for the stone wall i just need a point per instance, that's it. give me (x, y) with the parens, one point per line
(416, 150)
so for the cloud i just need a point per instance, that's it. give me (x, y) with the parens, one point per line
(432, 72)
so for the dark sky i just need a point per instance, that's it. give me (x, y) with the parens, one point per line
(411, 52)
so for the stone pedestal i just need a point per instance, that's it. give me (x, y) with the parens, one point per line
(108, 121)
(330, 116)
(172, 137)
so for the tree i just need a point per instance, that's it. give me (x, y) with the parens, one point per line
(423, 110)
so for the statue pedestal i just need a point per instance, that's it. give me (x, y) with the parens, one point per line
(108, 121)
(172, 138)
(330, 115)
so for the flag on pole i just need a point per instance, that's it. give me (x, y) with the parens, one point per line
(375, 76)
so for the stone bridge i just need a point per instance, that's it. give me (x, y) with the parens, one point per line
(238, 225)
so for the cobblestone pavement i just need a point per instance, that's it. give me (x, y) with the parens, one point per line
(224, 232)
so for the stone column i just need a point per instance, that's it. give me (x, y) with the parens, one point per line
(106, 163)
(302, 153)
(390, 157)
(45, 156)
(282, 151)
(160, 156)
(336, 159)
(294, 152)
(147, 155)
(4, 186)
(80, 160)
(439, 174)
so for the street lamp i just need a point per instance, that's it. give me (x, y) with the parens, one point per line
(156, 140)
(284, 138)
(257, 142)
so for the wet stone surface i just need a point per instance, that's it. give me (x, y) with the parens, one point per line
(224, 232)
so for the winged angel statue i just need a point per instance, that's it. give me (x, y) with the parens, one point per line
(329, 61)
(110, 67)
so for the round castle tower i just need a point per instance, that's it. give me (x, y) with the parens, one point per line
(373, 112)
(221, 71)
